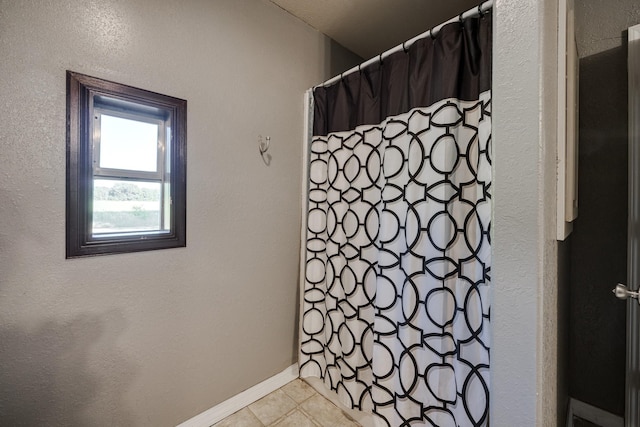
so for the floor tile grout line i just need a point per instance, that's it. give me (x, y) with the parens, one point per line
(255, 415)
(292, 397)
(298, 408)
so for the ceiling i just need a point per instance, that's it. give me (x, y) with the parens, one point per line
(369, 27)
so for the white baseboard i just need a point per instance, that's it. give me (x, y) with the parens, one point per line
(239, 401)
(592, 414)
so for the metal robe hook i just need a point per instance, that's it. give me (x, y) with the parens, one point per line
(263, 146)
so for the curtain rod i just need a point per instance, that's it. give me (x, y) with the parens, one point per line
(471, 13)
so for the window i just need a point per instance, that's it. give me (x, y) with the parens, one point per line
(126, 168)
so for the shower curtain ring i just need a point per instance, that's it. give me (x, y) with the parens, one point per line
(404, 47)
(480, 10)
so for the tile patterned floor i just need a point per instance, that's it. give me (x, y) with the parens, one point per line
(295, 405)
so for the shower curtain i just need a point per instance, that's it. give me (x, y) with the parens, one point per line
(395, 312)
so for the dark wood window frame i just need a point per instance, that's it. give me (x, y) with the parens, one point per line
(82, 92)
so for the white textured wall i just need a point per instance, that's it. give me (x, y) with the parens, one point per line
(524, 310)
(152, 338)
(550, 406)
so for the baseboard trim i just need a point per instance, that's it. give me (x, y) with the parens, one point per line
(592, 414)
(239, 401)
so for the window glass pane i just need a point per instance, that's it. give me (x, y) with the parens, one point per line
(126, 206)
(128, 144)
(167, 207)
(167, 162)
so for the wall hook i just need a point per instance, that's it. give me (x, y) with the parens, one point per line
(263, 146)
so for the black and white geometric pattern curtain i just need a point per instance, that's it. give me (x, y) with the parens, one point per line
(398, 259)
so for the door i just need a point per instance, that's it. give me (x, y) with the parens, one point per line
(605, 246)
(632, 410)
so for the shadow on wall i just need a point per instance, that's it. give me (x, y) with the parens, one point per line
(599, 239)
(46, 378)
(338, 58)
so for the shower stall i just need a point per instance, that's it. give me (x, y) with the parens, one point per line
(396, 246)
